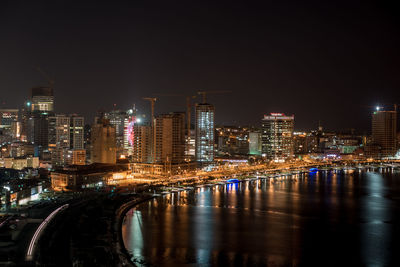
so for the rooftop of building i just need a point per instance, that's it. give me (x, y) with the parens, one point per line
(281, 116)
(41, 91)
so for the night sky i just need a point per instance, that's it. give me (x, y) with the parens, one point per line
(319, 61)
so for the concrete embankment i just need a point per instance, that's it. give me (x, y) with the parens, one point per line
(88, 233)
(124, 256)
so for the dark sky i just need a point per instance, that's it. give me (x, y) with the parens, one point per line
(319, 60)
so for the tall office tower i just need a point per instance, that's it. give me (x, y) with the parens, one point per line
(205, 132)
(38, 129)
(142, 143)
(254, 143)
(59, 131)
(129, 133)
(384, 132)
(277, 136)
(123, 122)
(103, 141)
(117, 119)
(42, 99)
(36, 125)
(65, 136)
(59, 138)
(24, 119)
(169, 138)
(76, 130)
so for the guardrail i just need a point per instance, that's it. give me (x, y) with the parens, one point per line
(32, 245)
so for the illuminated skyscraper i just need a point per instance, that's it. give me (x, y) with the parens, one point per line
(384, 132)
(205, 132)
(142, 143)
(77, 138)
(35, 121)
(59, 132)
(124, 130)
(277, 136)
(65, 135)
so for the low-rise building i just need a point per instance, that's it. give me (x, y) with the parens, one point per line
(79, 177)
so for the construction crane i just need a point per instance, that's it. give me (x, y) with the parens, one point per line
(188, 107)
(205, 93)
(47, 77)
(152, 102)
(380, 106)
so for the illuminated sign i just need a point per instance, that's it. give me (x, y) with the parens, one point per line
(131, 131)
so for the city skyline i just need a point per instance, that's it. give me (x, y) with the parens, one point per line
(345, 60)
(199, 133)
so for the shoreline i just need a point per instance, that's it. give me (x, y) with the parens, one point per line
(121, 212)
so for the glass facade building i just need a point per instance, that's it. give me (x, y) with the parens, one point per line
(205, 132)
(384, 132)
(277, 136)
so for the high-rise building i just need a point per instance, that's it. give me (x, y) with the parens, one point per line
(42, 99)
(65, 134)
(169, 138)
(9, 127)
(205, 132)
(384, 132)
(77, 134)
(24, 119)
(277, 136)
(35, 118)
(103, 142)
(142, 143)
(124, 130)
(255, 143)
(117, 119)
(38, 129)
(59, 132)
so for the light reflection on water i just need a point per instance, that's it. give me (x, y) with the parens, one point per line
(325, 218)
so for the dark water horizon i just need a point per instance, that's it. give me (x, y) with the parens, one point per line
(321, 218)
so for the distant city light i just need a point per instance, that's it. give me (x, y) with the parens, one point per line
(378, 108)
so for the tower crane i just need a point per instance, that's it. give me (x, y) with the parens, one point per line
(47, 77)
(378, 107)
(152, 101)
(205, 93)
(188, 107)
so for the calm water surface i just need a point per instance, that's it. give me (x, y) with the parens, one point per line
(321, 219)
